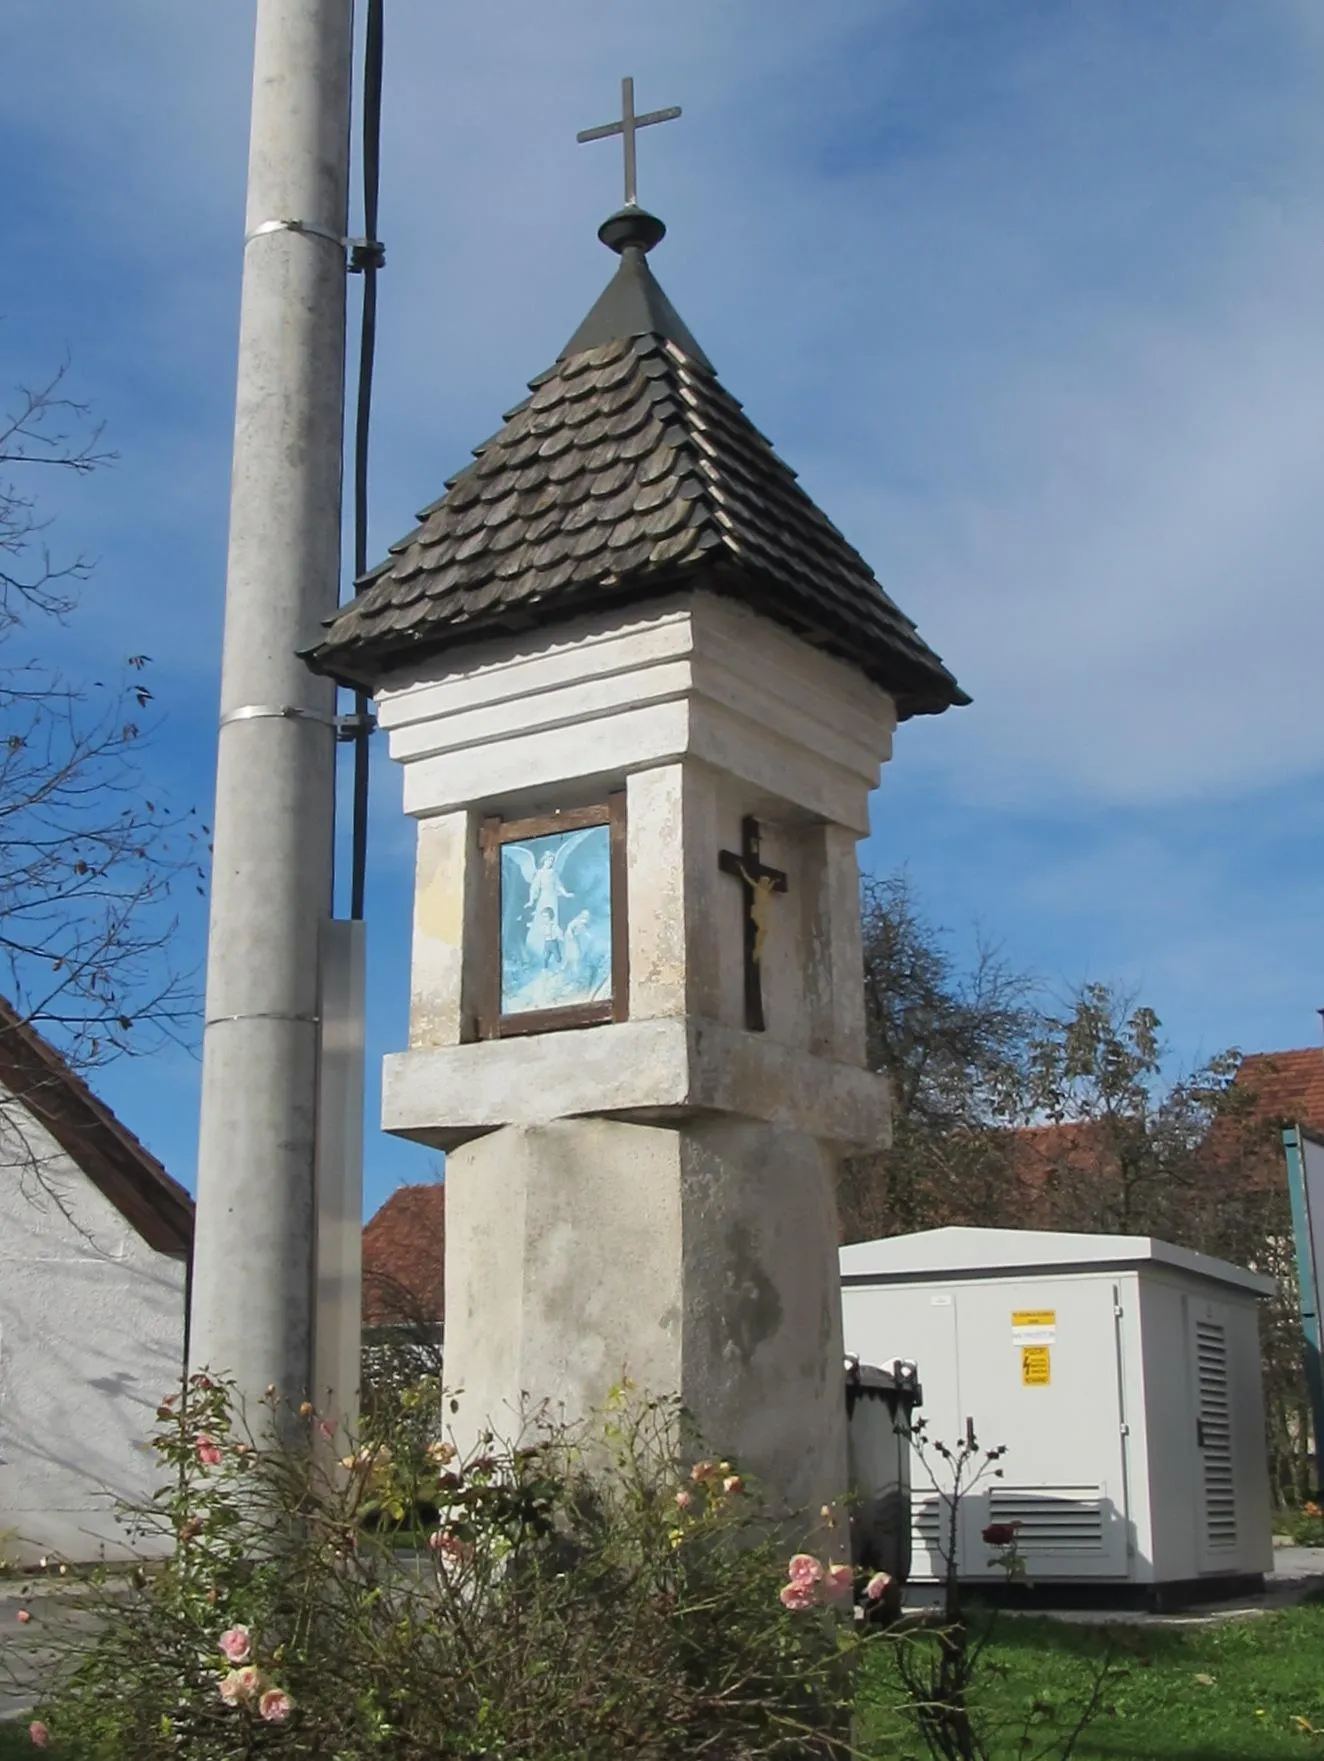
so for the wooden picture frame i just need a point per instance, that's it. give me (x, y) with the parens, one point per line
(527, 951)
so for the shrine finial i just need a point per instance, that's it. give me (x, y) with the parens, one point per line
(631, 225)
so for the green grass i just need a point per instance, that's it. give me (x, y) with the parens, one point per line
(1263, 1674)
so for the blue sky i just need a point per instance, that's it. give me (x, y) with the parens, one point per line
(1027, 291)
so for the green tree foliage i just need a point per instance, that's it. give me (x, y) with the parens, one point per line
(955, 1045)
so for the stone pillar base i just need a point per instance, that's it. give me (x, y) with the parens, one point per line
(699, 1260)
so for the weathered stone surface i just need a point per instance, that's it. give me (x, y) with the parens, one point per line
(711, 1275)
(446, 883)
(671, 1067)
(515, 722)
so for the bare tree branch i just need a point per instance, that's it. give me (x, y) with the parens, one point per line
(89, 856)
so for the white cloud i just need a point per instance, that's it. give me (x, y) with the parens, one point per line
(1133, 599)
(1082, 456)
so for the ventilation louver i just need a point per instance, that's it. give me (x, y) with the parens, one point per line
(1051, 1519)
(1215, 1426)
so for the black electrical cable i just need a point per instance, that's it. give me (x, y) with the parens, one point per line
(368, 258)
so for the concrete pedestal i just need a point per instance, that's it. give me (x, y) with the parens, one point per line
(699, 1260)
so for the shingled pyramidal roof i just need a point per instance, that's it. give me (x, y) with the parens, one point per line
(628, 474)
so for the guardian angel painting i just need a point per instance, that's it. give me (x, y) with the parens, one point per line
(556, 921)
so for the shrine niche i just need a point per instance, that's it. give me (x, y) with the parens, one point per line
(556, 905)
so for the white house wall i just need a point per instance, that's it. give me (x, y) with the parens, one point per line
(91, 1339)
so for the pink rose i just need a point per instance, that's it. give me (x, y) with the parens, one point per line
(451, 1547)
(838, 1583)
(235, 1644)
(797, 1596)
(877, 1586)
(209, 1451)
(275, 1705)
(23, 1617)
(241, 1685)
(804, 1569)
(733, 1484)
(703, 1472)
(39, 1734)
(684, 1500)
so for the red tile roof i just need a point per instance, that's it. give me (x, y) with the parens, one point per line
(404, 1258)
(1288, 1086)
(1043, 1156)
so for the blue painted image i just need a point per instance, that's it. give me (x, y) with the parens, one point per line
(556, 921)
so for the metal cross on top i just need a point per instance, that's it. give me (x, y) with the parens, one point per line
(757, 884)
(628, 126)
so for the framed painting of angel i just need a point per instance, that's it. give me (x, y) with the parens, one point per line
(556, 913)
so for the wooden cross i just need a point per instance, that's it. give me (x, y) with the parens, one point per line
(628, 126)
(758, 884)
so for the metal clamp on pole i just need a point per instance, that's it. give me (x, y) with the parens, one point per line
(289, 712)
(365, 253)
(356, 725)
(308, 227)
(361, 253)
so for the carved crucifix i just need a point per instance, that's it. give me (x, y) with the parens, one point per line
(757, 884)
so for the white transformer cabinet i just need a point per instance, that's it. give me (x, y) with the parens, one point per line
(1123, 1375)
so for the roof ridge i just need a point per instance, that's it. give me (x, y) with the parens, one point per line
(123, 1169)
(791, 483)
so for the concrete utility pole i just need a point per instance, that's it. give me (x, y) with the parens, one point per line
(253, 1286)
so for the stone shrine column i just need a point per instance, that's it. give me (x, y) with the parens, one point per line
(652, 1193)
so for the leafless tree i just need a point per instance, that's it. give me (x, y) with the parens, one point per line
(1192, 1158)
(88, 856)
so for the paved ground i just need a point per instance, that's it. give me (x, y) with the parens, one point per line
(25, 1647)
(1298, 1572)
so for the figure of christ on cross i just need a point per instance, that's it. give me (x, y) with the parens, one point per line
(628, 126)
(758, 884)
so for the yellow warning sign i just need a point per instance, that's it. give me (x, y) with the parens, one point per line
(1036, 1366)
(1034, 1326)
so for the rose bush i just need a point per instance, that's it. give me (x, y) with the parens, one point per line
(593, 1594)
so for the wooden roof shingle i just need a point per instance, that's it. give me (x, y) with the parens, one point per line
(628, 473)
